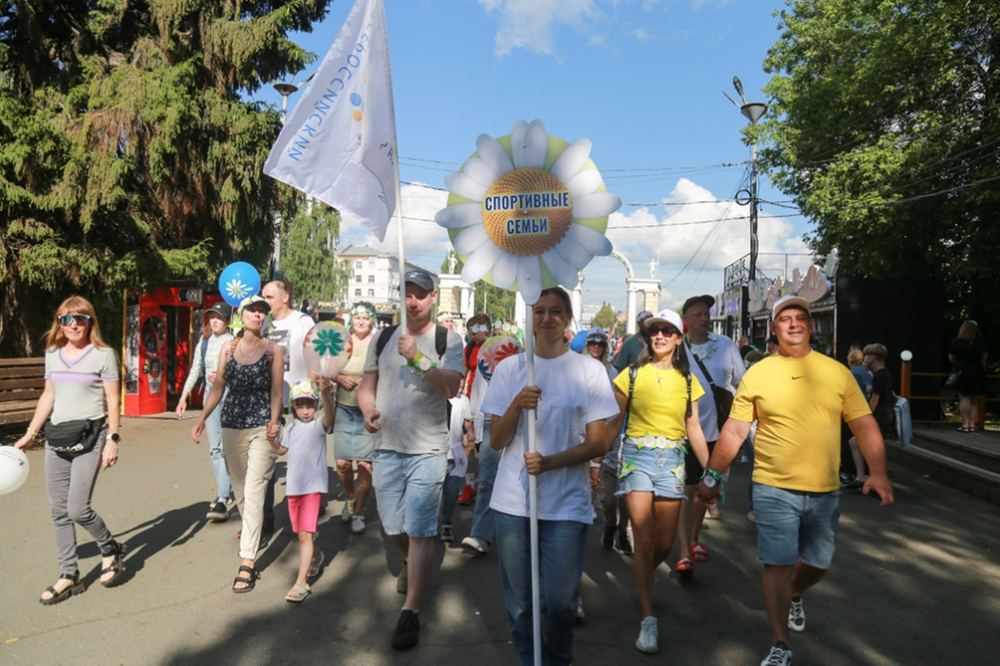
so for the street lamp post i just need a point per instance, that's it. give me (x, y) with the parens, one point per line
(753, 112)
(285, 90)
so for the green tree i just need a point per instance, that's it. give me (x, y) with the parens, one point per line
(500, 303)
(884, 129)
(606, 317)
(128, 156)
(307, 254)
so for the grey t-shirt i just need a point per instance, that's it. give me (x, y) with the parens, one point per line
(80, 383)
(414, 417)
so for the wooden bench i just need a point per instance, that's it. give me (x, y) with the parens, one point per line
(22, 381)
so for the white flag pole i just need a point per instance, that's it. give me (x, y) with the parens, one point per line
(536, 619)
(402, 255)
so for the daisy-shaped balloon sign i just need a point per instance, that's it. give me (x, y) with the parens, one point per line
(327, 348)
(528, 210)
(238, 280)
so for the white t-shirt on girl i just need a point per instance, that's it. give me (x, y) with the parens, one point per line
(575, 392)
(306, 443)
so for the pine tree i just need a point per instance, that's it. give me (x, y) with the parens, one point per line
(128, 153)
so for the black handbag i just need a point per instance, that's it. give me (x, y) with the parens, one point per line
(723, 398)
(73, 438)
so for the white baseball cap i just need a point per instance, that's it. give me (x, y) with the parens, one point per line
(789, 301)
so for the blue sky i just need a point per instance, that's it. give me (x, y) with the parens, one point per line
(642, 79)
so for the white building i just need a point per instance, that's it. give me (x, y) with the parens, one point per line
(373, 276)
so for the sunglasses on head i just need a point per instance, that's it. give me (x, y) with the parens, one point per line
(597, 341)
(80, 319)
(665, 330)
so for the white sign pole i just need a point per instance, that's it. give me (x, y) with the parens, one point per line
(536, 619)
(402, 258)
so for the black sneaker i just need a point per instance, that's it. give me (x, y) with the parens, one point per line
(407, 631)
(609, 537)
(623, 544)
(218, 512)
(267, 528)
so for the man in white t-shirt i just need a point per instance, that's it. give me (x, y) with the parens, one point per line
(289, 329)
(404, 395)
(721, 358)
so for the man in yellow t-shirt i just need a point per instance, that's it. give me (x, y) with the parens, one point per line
(798, 398)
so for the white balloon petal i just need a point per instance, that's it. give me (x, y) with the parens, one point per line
(598, 204)
(517, 134)
(470, 239)
(529, 279)
(480, 171)
(480, 263)
(464, 186)
(565, 274)
(493, 154)
(460, 216)
(536, 145)
(583, 183)
(505, 271)
(592, 241)
(572, 160)
(572, 252)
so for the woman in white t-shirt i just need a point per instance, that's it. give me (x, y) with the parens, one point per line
(572, 398)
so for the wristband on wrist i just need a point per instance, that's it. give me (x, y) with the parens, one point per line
(720, 478)
(421, 364)
(595, 465)
(33, 433)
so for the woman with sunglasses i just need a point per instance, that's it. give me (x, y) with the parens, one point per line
(661, 419)
(573, 400)
(81, 372)
(351, 442)
(252, 368)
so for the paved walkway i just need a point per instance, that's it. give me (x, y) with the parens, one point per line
(917, 583)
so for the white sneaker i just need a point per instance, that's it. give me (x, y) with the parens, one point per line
(778, 656)
(751, 516)
(797, 617)
(357, 523)
(345, 515)
(648, 640)
(476, 544)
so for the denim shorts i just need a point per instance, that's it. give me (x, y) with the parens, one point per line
(793, 524)
(350, 439)
(651, 470)
(408, 487)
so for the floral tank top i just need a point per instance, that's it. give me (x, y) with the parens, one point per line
(248, 401)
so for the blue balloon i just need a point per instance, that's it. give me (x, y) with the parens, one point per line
(238, 281)
(579, 342)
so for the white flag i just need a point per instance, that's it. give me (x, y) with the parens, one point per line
(339, 144)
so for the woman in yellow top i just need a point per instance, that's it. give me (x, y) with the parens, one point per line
(351, 442)
(662, 419)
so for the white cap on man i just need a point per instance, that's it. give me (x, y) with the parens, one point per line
(787, 302)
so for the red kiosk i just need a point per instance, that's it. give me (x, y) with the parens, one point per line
(161, 327)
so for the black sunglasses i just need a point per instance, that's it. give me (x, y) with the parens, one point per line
(665, 330)
(68, 319)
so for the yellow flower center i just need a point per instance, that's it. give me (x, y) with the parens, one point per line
(527, 211)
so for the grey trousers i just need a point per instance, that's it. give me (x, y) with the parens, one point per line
(70, 485)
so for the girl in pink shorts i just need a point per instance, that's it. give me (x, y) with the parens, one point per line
(303, 438)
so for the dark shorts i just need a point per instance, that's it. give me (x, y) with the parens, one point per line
(692, 467)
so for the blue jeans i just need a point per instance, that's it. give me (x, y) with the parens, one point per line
(562, 544)
(408, 487)
(489, 460)
(453, 486)
(213, 428)
(793, 525)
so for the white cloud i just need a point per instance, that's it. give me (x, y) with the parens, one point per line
(530, 24)
(694, 243)
(425, 243)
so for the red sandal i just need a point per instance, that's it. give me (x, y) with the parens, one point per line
(699, 553)
(684, 567)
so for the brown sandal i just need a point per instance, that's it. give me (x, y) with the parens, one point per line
(117, 566)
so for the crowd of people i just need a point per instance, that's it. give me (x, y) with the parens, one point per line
(646, 434)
